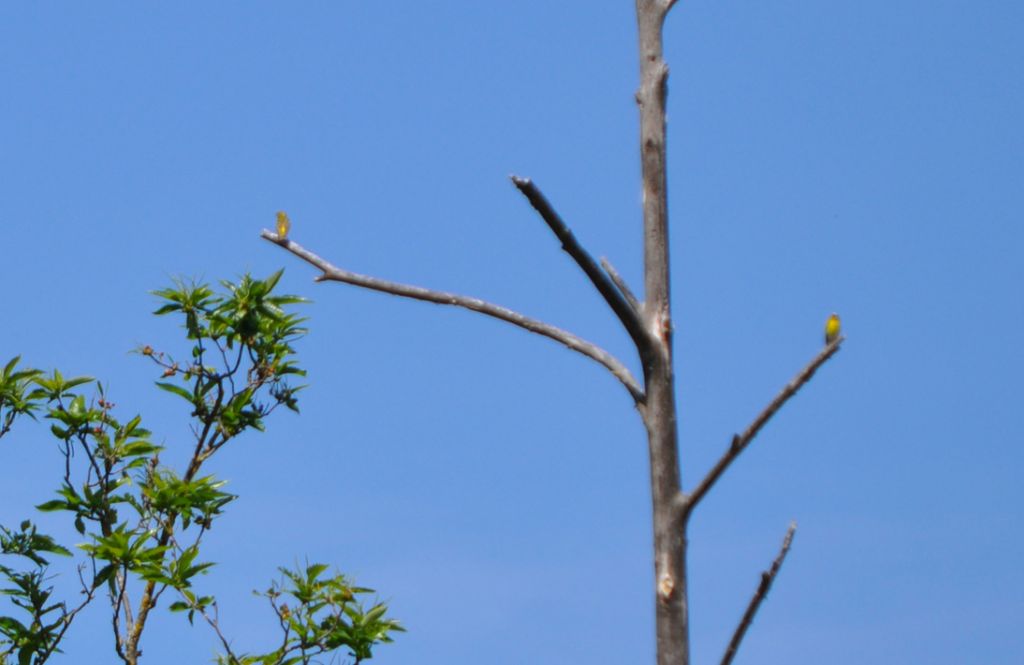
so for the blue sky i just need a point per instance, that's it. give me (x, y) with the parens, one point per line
(858, 157)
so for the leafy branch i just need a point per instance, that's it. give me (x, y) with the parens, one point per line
(145, 521)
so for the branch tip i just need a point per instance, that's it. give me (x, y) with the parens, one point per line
(628, 315)
(621, 285)
(767, 577)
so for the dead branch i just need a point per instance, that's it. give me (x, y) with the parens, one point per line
(767, 577)
(686, 503)
(628, 315)
(620, 283)
(330, 272)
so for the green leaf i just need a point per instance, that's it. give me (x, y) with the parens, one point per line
(315, 570)
(139, 448)
(77, 381)
(165, 309)
(271, 282)
(10, 365)
(375, 613)
(54, 505)
(104, 574)
(77, 408)
(177, 390)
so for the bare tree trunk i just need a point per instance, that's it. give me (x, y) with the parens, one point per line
(672, 624)
(671, 614)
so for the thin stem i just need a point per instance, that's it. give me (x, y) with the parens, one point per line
(331, 272)
(150, 593)
(214, 623)
(67, 617)
(767, 577)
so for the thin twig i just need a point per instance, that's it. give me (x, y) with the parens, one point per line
(686, 503)
(767, 577)
(67, 617)
(214, 623)
(620, 283)
(333, 273)
(629, 316)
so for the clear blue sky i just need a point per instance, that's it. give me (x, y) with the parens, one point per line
(859, 157)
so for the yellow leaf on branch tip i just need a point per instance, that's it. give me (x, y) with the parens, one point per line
(283, 224)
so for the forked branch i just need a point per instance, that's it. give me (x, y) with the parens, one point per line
(627, 313)
(767, 577)
(686, 503)
(330, 272)
(619, 282)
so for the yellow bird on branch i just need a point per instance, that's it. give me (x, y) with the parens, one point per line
(831, 329)
(283, 224)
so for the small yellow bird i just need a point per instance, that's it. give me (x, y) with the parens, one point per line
(283, 224)
(831, 328)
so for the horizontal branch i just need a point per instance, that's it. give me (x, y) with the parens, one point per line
(686, 503)
(767, 577)
(628, 315)
(333, 273)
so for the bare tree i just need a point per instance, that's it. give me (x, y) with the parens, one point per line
(649, 324)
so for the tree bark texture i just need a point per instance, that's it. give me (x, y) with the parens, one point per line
(671, 615)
